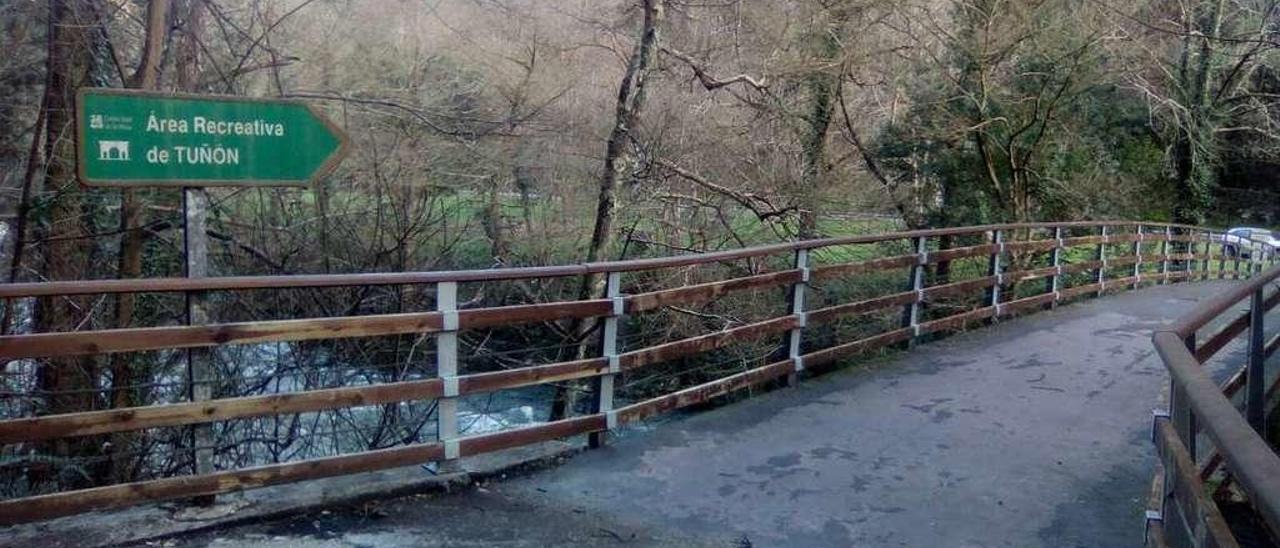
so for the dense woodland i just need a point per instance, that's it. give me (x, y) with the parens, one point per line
(494, 133)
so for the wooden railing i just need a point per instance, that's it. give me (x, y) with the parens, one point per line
(1182, 510)
(1068, 260)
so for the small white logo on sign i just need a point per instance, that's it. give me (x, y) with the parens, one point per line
(113, 151)
(95, 121)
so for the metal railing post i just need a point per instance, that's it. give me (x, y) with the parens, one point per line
(1137, 260)
(447, 371)
(1222, 257)
(1055, 280)
(1167, 486)
(1235, 267)
(604, 385)
(796, 336)
(1180, 412)
(1184, 423)
(1256, 376)
(915, 283)
(1164, 255)
(200, 368)
(1208, 255)
(995, 270)
(1101, 278)
(1191, 254)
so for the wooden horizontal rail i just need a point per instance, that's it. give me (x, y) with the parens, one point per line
(1073, 292)
(702, 293)
(1230, 388)
(961, 252)
(80, 343)
(479, 318)
(1198, 511)
(1120, 284)
(1082, 240)
(1229, 332)
(154, 416)
(238, 283)
(1031, 274)
(1028, 303)
(1122, 260)
(1083, 266)
(118, 496)
(840, 270)
(1215, 306)
(835, 312)
(958, 288)
(704, 392)
(957, 321)
(528, 435)
(831, 354)
(1024, 246)
(704, 343)
(478, 383)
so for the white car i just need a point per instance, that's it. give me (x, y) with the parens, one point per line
(1241, 241)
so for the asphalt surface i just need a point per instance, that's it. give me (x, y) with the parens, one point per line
(1030, 433)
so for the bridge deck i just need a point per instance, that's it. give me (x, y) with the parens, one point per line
(1030, 433)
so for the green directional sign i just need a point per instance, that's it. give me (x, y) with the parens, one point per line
(134, 138)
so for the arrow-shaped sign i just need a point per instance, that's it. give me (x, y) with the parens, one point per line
(136, 138)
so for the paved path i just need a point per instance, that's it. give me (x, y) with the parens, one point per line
(1031, 433)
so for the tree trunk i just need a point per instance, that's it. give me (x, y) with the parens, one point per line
(618, 162)
(822, 86)
(1194, 147)
(124, 372)
(71, 384)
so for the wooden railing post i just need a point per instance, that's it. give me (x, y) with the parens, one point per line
(1256, 375)
(796, 336)
(1055, 280)
(1137, 260)
(915, 283)
(1101, 277)
(994, 269)
(604, 384)
(447, 370)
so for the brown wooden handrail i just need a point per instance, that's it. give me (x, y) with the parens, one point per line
(1198, 404)
(228, 283)
(446, 322)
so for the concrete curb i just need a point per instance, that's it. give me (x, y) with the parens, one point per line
(145, 523)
